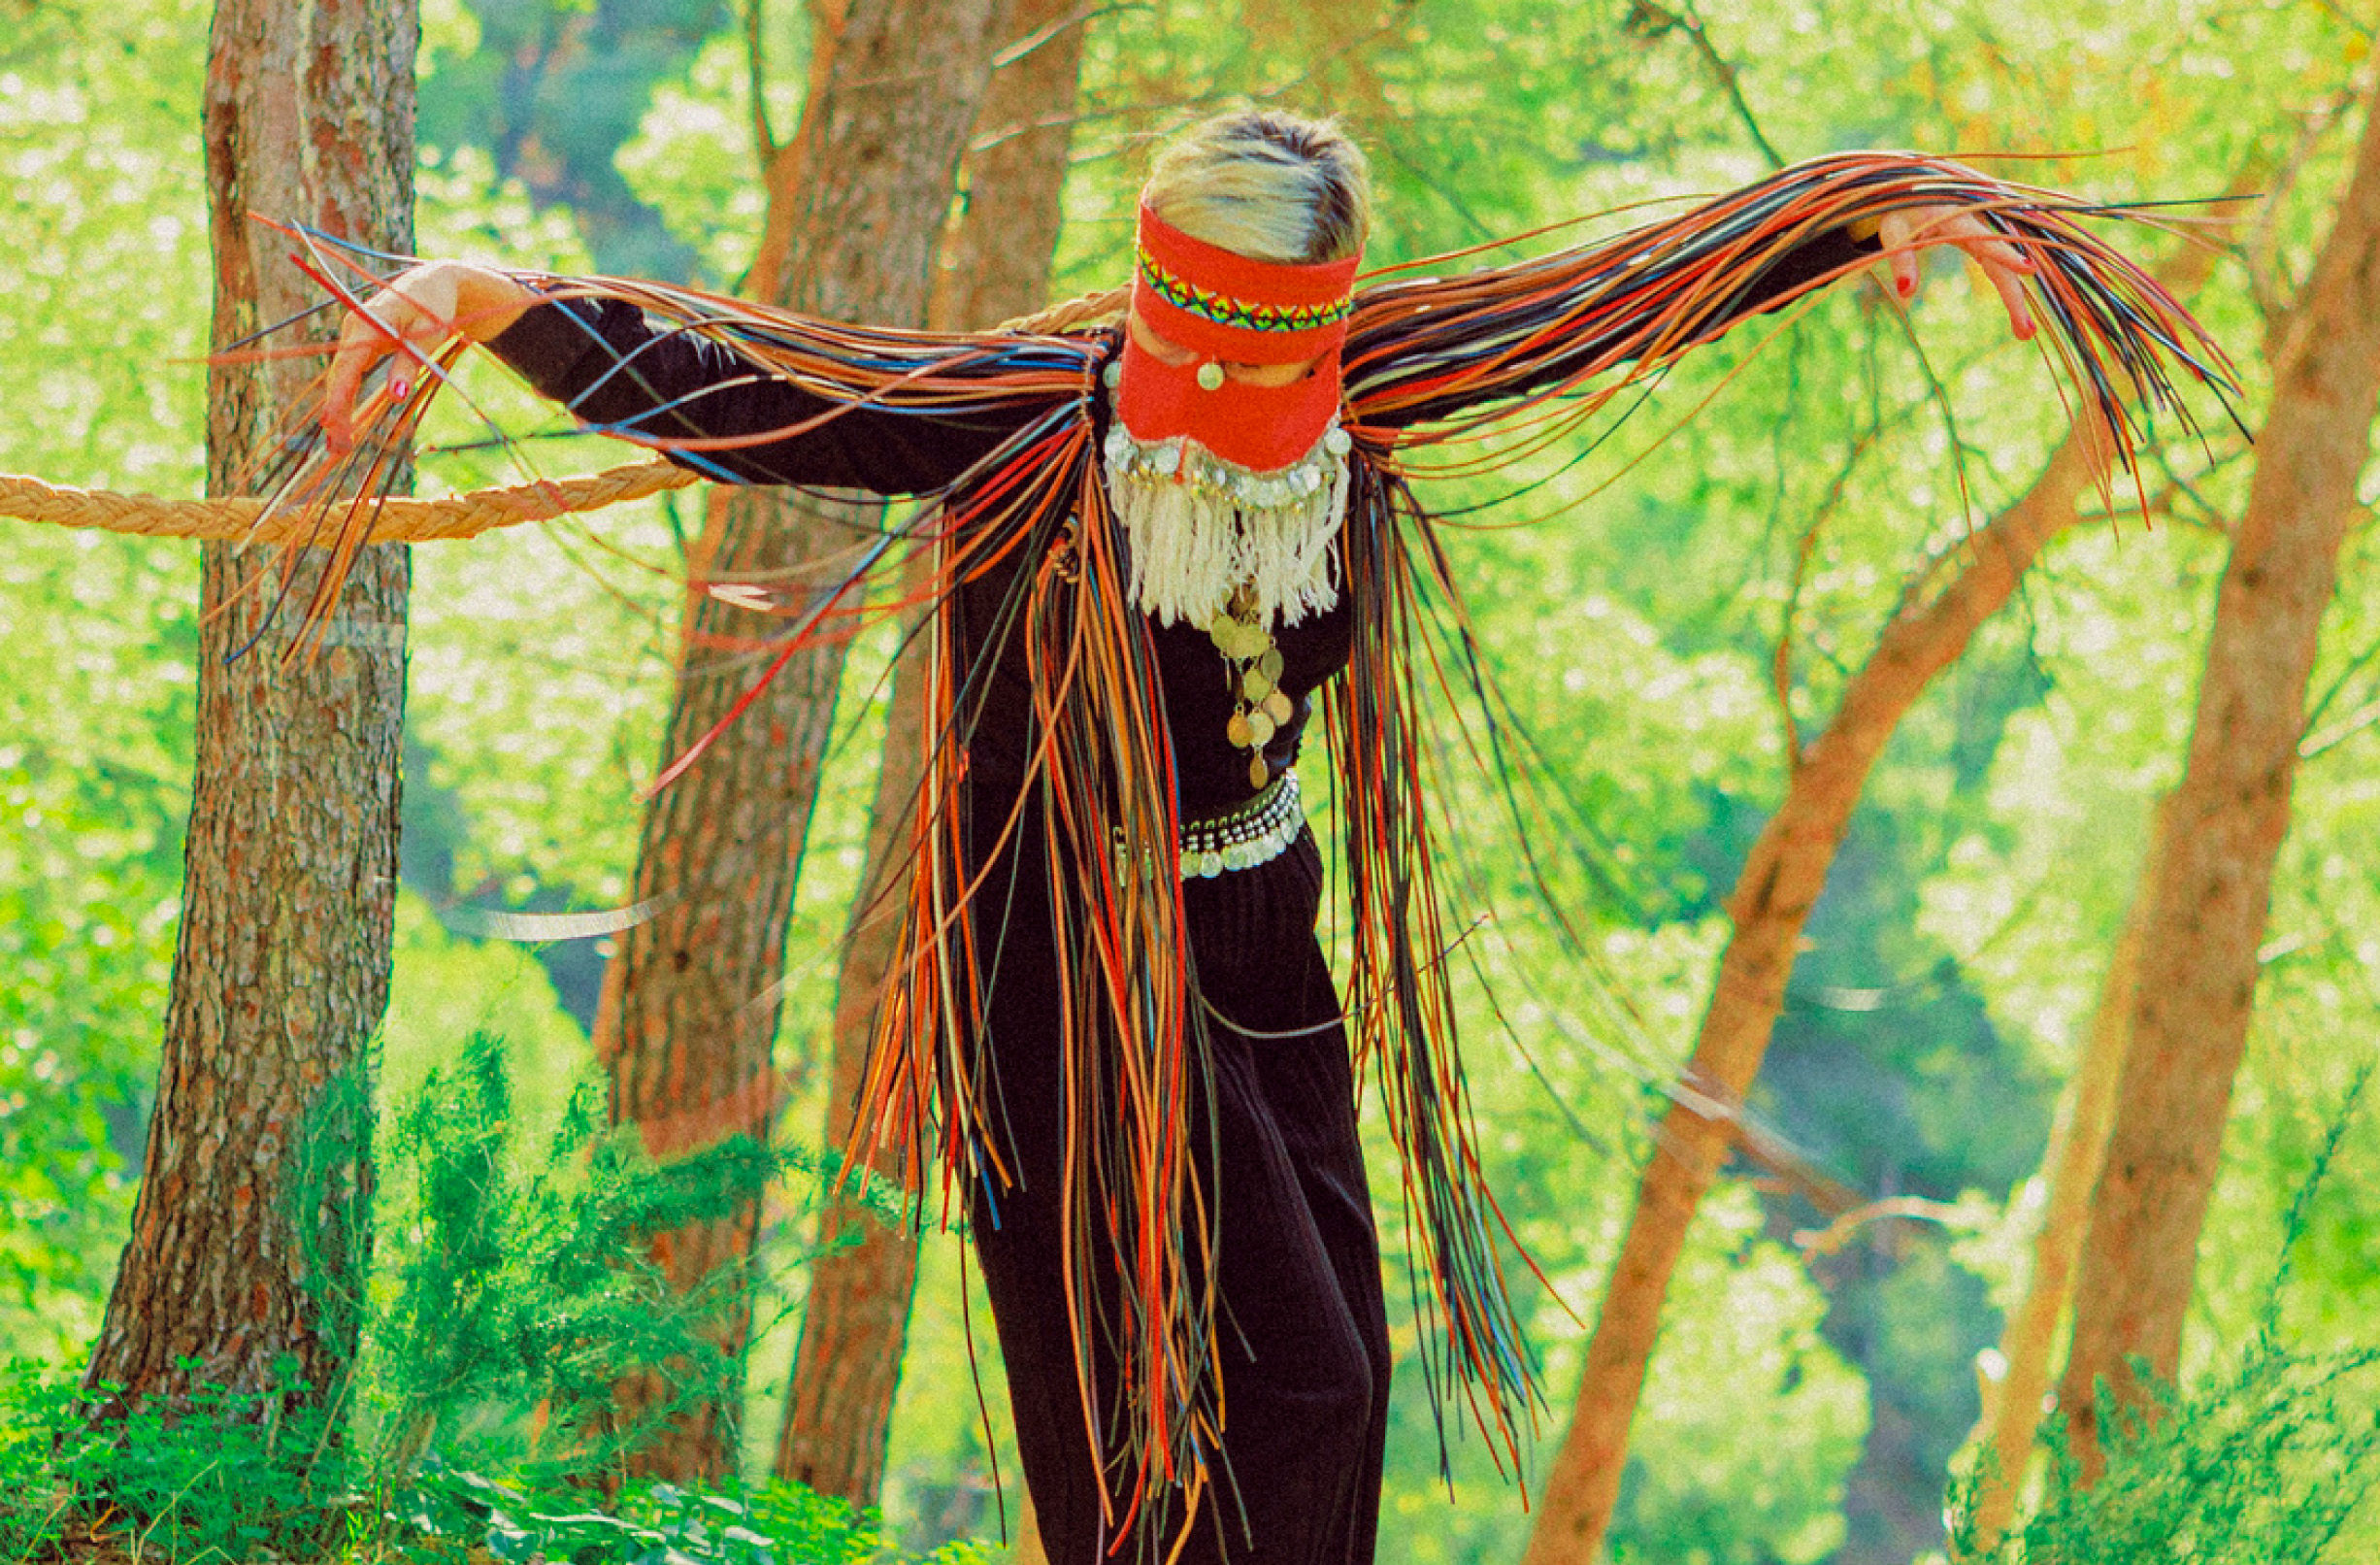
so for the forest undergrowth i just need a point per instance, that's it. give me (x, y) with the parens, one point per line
(2263, 1461)
(510, 1297)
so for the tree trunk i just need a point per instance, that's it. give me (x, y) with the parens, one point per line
(2014, 1403)
(997, 267)
(1028, 1551)
(847, 1370)
(688, 1021)
(249, 1238)
(1769, 905)
(2199, 952)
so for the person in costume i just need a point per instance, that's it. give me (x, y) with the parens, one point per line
(1164, 548)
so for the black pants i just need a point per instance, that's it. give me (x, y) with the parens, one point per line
(1302, 1329)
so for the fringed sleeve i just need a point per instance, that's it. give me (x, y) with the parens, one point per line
(1430, 359)
(756, 397)
(1539, 345)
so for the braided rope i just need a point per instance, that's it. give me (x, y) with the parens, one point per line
(1084, 310)
(394, 520)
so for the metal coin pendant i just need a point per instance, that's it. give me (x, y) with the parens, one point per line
(1211, 376)
(1276, 707)
(1255, 685)
(1259, 728)
(1271, 663)
(1259, 774)
(1238, 732)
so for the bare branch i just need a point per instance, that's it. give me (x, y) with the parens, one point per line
(1785, 1165)
(1648, 19)
(2339, 732)
(1816, 1242)
(1781, 661)
(1025, 45)
(757, 82)
(2275, 294)
(2355, 665)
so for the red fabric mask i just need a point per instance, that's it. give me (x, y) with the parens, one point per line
(1227, 308)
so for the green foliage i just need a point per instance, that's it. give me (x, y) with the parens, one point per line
(552, 91)
(89, 883)
(1951, 964)
(509, 1282)
(511, 1291)
(100, 182)
(233, 1477)
(2264, 1460)
(230, 1476)
(2261, 1466)
(656, 1523)
(1754, 1476)
(509, 1299)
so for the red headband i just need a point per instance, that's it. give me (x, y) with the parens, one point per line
(1227, 308)
(1224, 306)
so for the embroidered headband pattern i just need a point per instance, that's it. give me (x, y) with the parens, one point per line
(1244, 315)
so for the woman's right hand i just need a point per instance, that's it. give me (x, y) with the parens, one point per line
(1904, 232)
(416, 314)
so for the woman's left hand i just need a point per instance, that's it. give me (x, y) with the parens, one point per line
(1906, 232)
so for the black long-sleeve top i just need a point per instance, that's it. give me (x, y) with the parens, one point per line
(616, 370)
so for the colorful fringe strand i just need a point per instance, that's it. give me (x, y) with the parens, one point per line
(1526, 352)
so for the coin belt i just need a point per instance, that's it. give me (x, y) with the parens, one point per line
(1254, 833)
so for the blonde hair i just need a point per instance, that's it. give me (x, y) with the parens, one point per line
(1269, 186)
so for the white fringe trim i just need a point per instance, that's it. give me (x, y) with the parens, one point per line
(1201, 527)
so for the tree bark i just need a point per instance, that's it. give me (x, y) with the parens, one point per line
(688, 1020)
(846, 1372)
(2231, 809)
(2014, 1403)
(1769, 905)
(249, 1236)
(997, 267)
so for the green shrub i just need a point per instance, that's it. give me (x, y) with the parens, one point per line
(2262, 1463)
(222, 1481)
(231, 1476)
(656, 1523)
(509, 1282)
(510, 1292)
(2261, 1466)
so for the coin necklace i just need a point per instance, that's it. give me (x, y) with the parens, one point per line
(1260, 707)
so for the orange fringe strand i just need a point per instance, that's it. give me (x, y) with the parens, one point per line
(1541, 345)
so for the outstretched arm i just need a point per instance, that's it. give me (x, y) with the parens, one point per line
(795, 401)
(1432, 358)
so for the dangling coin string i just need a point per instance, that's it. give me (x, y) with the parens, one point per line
(1252, 667)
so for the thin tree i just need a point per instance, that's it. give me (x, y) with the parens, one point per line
(847, 1370)
(2031, 1337)
(248, 1243)
(2199, 960)
(2012, 1403)
(1941, 609)
(687, 1027)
